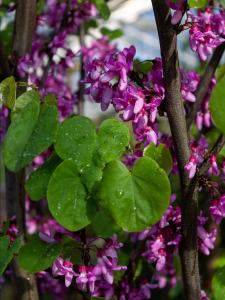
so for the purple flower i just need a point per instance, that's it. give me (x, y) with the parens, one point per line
(179, 7)
(63, 267)
(206, 239)
(191, 167)
(213, 170)
(217, 209)
(203, 296)
(86, 277)
(204, 34)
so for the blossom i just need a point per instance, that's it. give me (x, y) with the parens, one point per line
(191, 167)
(63, 267)
(203, 296)
(205, 239)
(86, 277)
(179, 7)
(213, 170)
(217, 209)
(205, 33)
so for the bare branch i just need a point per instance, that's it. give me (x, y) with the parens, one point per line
(176, 116)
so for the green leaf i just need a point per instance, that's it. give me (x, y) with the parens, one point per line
(8, 92)
(113, 137)
(143, 66)
(161, 155)
(67, 197)
(32, 130)
(104, 225)
(218, 284)
(112, 34)
(76, 140)
(217, 105)
(197, 3)
(90, 175)
(36, 185)
(37, 255)
(73, 250)
(136, 199)
(7, 251)
(220, 72)
(102, 8)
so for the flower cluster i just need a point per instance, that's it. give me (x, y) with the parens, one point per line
(206, 239)
(179, 7)
(51, 56)
(93, 278)
(217, 209)
(207, 31)
(199, 150)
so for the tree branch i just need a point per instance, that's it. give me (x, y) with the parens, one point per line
(176, 116)
(215, 150)
(25, 21)
(80, 105)
(204, 83)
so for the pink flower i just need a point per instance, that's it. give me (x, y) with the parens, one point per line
(213, 170)
(191, 167)
(63, 267)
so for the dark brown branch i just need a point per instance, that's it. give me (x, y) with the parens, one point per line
(176, 116)
(4, 64)
(204, 83)
(25, 21)
(80, 107)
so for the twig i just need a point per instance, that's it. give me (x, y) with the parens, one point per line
(175, 112)
(215, 150)
(80, 107)
(204, 83)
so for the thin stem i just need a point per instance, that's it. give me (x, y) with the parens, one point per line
(176, 116)
(80, 107)
(204, 83)
(215, 150)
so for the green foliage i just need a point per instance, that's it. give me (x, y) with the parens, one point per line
(8, 92)
(76, 140)
(7, 251)
(37, 255)
(67, 197)
(217, 105)
(143, 66)
(36, 185)
(102, 8)
(113, 137)
(197, 3)
(161, 155)
(32, 130)
(218, 284)
(104, 225)
(112, 34)
(135, 199)
(220, 72)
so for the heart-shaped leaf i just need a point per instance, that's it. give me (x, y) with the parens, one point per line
(161, 155)
(113, 137)
(135, 199)
(36, 185)
(7, 251)
(67, 197)
(76, 140)
(32, 130)
(37, 255)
